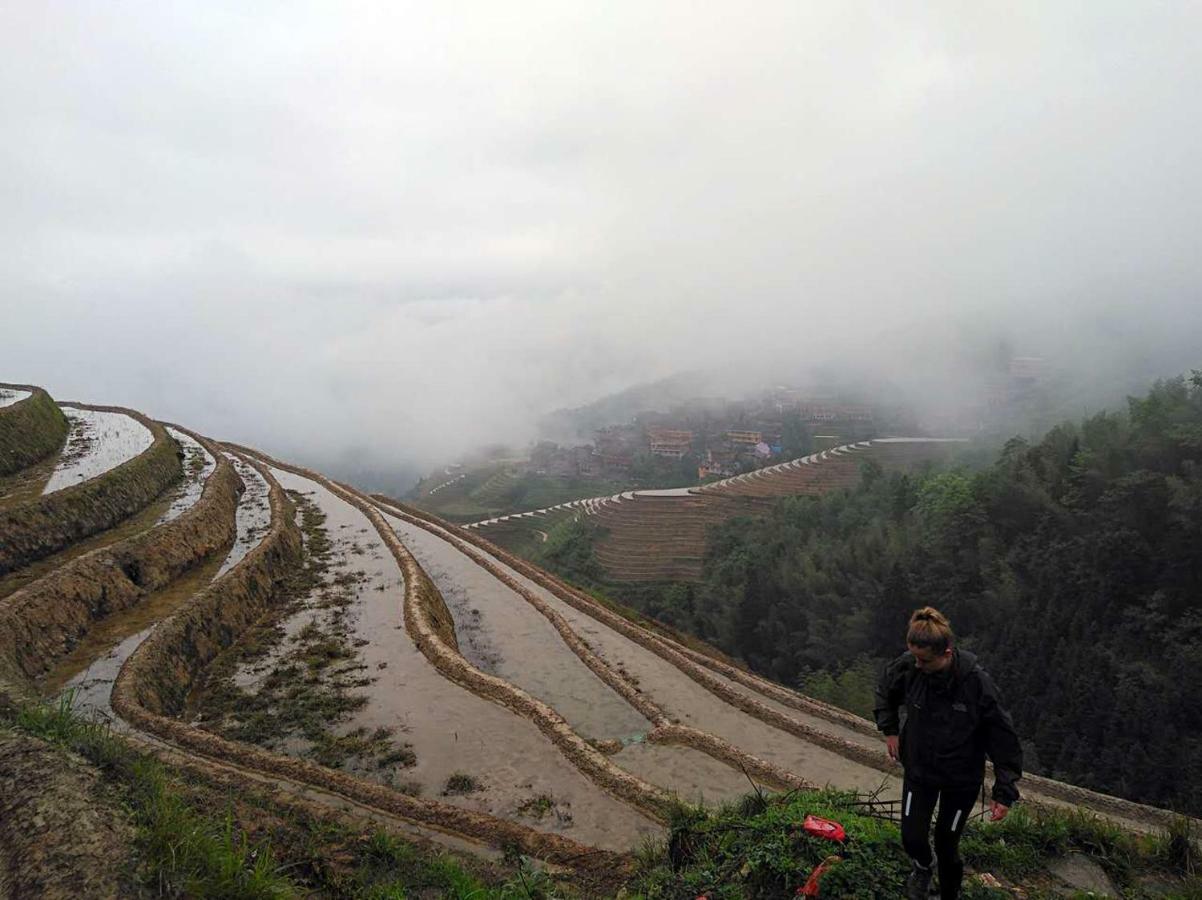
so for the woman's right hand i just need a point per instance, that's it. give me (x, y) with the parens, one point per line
(891, 743)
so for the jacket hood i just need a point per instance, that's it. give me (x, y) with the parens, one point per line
(966, 662)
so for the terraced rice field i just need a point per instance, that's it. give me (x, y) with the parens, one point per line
(199, 464)
(660, 535)
(448, 729)
(99, 441)
(253, 517)
(87, 674)
(263, 622)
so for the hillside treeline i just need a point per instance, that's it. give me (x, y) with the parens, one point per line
(1072, 565)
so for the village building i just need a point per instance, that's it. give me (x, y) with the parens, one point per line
(669, 442)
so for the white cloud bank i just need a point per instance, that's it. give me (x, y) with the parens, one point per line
(403, 227)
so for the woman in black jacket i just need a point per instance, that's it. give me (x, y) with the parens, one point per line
(952, 719)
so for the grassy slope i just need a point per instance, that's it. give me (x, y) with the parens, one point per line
(199, 840)
(30, 430)
(757, 849)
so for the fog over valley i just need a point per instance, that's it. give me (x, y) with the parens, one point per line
(371, 237)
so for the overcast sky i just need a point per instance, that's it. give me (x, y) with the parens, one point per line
(389, 229)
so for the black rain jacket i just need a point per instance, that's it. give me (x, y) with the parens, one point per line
(952, 720)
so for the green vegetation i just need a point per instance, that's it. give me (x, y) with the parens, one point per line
(568, 551)
(500, 491)
(461, 783)
(184, 852)
(757, 848)
(30, 429)
(1074, 561)
(193, 841)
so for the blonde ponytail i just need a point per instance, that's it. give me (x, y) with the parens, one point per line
(930, 629)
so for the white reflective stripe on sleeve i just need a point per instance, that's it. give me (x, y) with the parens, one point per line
(956, 820)
(909, 797)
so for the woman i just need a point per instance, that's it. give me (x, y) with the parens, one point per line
(953, 718)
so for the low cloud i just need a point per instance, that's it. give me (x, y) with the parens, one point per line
(392, 232)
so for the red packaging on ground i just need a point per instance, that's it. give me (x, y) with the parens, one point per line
(824, 828)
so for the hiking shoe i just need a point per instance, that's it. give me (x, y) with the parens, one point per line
(918, 885)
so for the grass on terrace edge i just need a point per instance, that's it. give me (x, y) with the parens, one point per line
(756, 848)
(750, 849)
(185, 848)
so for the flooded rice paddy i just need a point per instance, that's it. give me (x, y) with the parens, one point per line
(687, 702)
(253, 516)
(689, 772)
(9, 396)
(130, 527)
(99, 441)
(462, 749)
(198, 465)
(501, 633)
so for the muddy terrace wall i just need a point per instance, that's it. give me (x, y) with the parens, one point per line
(30, 430)
(154, 683)
(42, 622)
(38, 528)
(161, 672)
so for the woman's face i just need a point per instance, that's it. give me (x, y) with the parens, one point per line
(927, 660)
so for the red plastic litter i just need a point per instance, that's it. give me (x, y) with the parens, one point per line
(824, 828)
(810, 888)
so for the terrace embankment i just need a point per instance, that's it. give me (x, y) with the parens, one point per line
(690, 713)
(48, 524)
(30, 430)
(501, 634)
(42, 622)
(90, 670)
(180, 497)
(157, 677)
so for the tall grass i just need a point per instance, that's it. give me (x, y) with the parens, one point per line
(182, 852)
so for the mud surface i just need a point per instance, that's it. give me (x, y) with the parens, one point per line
(253, 516)
(500, 633)
(521, 775)
(63, 834)
(99, 441)
(690, 774)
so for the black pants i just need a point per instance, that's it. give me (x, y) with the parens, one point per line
(955, 805)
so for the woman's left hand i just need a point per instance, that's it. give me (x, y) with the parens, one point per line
(998, 811)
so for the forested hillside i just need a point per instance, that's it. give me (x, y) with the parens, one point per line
(1073, 566)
